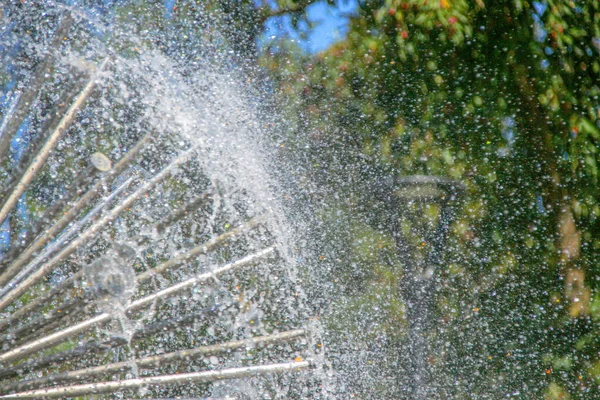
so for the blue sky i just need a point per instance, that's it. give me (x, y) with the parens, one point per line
(327, 24)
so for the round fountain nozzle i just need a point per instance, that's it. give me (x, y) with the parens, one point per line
(112, 277)
(100, 161)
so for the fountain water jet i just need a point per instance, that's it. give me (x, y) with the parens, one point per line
(158, 267)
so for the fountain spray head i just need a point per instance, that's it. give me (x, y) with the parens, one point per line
(112, 277)
(100, 162)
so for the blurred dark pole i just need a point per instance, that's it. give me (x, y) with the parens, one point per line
(422, 263)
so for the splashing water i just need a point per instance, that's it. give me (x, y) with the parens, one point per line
(171, 272)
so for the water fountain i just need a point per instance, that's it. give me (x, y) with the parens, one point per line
(147, 258)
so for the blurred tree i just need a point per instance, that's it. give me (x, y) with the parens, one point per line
(502, 95)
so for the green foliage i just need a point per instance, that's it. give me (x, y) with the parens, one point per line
(505, 98)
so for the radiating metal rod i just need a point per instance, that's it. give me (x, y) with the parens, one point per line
(140, 332)
(41, 324)
(159, 228)
(155, 361)
(40, 159)
(38, 141)
(45, 297)
(55, 338)
(8, 113)
(199, 250)
(83, 238)
(191, 377)
(189, 283)
(181, 212)
(35, 304)
(24, 256)
(27, 98)
(76, 188)
(70, 305)
(64, 237)
(88, 347)
(33, 335)
(60, 336)
(77, 81)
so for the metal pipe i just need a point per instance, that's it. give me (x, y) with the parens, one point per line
(38, 302)
(41, 158)
(98, 163)
(174, 217)
(27, 98)
(8, 112)
(52, 359)
(189, 283)
(146, 236)
(60, 336)
(191, 377)
(79, 306)
(24, 256)
(90, 232)
(140, 333)
(55, 338)
(43, 324)
(156, 361)
(46, 128)
(45, 297)
(182, 212)
(198, 250)
(60, 241)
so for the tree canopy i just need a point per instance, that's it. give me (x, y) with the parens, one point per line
(502, 95)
